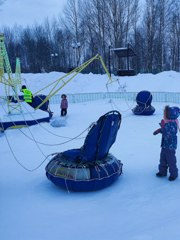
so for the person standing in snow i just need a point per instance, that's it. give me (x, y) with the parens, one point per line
(28, 96)
(169, 127)
(64, 105)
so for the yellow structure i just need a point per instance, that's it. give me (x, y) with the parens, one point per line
(6, 77)
(61, 82)
(12, 83)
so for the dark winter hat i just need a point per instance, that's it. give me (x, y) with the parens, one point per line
(23, 87)
(173, 112)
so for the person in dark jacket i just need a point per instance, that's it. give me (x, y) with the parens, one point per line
(64, 105)
(168, 128)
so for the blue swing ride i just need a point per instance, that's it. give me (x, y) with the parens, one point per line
(14, 112)
(88, 168)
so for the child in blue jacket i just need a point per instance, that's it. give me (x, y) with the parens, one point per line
(169, 127)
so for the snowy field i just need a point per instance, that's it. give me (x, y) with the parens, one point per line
(138, 206)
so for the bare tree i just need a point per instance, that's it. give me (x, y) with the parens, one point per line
(72, 24)
(150, 28)
(165, 8)
(174, 39)
(94, 25)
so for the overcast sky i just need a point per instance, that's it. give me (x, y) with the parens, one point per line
(26, 12)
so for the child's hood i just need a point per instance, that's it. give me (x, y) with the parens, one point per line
(174, 112)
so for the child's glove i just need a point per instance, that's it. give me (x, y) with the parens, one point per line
(157, 131)
(162, 123)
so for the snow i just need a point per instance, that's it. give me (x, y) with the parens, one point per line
(165, 81)
(28, 113)
(138, 206)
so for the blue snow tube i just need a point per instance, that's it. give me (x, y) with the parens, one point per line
(143, 107)
(83, 177)
(90, 167)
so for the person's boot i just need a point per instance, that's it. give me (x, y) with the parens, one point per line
(172, 178)
(160, 175)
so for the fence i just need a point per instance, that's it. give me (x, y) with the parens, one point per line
(127, 96)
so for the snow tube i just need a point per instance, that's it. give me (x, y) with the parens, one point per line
(143, 107)
(139, 110)
(90, 167)
(83, 177)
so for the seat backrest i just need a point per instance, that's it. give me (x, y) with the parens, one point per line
(101, 137)
(37, 100)
(144, 98)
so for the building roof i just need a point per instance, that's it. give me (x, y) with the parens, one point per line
(124, 52)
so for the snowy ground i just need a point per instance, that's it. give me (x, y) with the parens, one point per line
(138, 206)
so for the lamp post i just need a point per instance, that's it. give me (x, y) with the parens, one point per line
(76, 46)
(54, 60)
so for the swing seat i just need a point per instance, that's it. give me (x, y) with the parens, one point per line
(143, 107)
(90, 167)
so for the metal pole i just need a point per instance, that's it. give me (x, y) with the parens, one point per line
(128, 57)
(110, 60)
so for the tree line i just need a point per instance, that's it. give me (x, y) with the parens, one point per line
(90, 27)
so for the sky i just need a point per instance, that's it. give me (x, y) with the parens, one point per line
(138, 206)
(26, 12)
